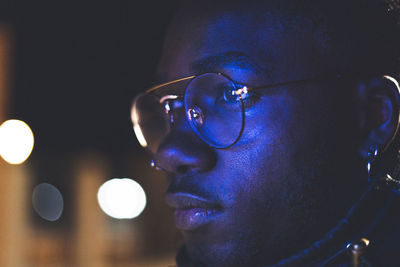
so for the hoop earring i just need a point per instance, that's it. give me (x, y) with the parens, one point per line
(372, 154)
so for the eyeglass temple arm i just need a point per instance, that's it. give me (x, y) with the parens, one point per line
(249, 87)
(168, 83)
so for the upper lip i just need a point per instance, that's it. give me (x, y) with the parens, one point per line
(182, 200)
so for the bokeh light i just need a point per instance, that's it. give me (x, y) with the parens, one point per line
(121, 198)
(16, 141)
(47, 201)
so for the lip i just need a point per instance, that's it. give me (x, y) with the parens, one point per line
(192, 211)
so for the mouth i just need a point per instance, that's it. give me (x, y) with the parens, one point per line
(192, 211)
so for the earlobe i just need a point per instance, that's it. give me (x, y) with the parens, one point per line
(380, 112)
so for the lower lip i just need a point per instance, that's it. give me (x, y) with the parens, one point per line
(190, 219)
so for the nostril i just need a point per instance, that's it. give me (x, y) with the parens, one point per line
(182, 169)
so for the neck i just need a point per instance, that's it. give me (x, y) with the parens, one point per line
(360, 222)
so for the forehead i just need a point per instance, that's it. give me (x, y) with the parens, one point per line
(249, 40)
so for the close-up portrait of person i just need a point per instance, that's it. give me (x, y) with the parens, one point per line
(275, 123)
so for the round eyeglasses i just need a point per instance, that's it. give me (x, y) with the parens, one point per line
(213, 104)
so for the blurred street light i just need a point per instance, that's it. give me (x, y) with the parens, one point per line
(47, 201)
(16, 141)
(121, 198)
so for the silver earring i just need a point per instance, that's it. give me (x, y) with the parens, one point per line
(372, 154)
(154, 165)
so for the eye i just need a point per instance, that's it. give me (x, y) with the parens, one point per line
(233, 95)
(230, 96)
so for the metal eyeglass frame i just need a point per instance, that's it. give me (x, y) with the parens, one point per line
(241, 90)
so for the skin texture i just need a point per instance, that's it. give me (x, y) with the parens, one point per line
(297, 168)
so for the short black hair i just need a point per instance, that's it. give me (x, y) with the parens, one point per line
(367, 32)
(364, 33)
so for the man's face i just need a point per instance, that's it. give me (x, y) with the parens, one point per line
(292, 174)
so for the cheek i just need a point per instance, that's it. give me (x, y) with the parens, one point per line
(268, 122)
(259, 183)
(264, 152)
(275, 158)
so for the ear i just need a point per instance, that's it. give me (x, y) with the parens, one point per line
(379, 116)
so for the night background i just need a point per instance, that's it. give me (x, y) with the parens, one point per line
(73, 69)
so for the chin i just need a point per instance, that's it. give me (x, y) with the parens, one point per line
(210, 250)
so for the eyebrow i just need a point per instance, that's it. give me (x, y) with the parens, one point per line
(230, 59)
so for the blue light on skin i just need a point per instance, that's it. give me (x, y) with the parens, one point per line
(238, 61)
(278, 186)
(261, 205)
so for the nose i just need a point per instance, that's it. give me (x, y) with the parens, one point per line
(183, 152)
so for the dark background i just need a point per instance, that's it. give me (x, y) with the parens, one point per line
(78, 66)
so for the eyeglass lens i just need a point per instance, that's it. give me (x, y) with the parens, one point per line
(211, 97)
(213, 110)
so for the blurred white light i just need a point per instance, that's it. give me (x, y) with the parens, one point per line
(121, 198)
(16, 141)
(47, 201)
